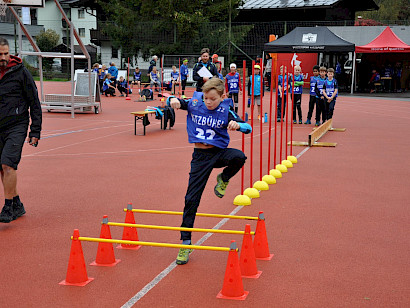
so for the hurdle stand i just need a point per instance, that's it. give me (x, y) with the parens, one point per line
(318, 133)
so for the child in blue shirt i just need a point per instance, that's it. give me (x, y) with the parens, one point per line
(330, 90)
(101, 74)
(174, 78)
(320, 105)
(108, 88)
(297, 93)
(233, 85)
(154, 78)
(208, 120)
(312, 96)
(255, 88)
(137, 77)
(184, 75)
(283, 86)
(123, 87)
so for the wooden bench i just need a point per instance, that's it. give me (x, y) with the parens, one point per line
(141, 115)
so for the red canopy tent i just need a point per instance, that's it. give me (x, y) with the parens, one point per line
(387, 41)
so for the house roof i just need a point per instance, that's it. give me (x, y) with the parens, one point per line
(284, 4)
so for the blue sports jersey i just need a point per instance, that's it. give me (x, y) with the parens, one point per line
(298, 89)
(184, 72)
(174, 75)
(256, 86)
(330, 87)
(233, 83)
(124, 84)
(154, 76)
(95, 70)
(319, 86)
(102, 73)
(313, 81)
(113, 71)
(107, 82)
(207, 126)
(281, 83)
(137, 76)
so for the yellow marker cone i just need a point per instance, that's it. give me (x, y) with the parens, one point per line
(292, 159)
(242, 200)
(261, 185)
(287, 163)
(251, 193)
(269, 179)
(281, 168)
(276, 173)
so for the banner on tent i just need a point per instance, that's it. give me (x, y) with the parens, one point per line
(305, 60)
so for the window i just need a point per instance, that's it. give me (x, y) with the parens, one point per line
(81, 14)
(81, 32)
(114, 53)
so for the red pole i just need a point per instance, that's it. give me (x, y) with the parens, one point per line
(270, 119)
(293, 117)
(243, 118)
(128, 76)
(287, 115)
(276, 112)
(261, 122)
(180, 78)
(281, 115)
(252, 101)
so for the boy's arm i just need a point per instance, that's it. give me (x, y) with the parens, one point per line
(336, 90)
(236, 123)
(177, 103)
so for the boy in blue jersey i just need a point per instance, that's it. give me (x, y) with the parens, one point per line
(297, 96)
(174, 78)
(123, 87)
(208, 121)
(233, 85)
(254, 86)
(137, 77)
(154, 78)
(320, 105)
(330, 90)
(184, 75)
(312, 97)
(283, 86)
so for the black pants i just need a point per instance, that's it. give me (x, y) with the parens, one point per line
(320, 110)
(235, 98)
(312, 103)
(297, 101)
(114, 82)
(202, 164)
(330, 107)
(110, 91)
(278, 114)
(183, 84)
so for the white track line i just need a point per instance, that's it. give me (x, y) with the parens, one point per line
(133, 300)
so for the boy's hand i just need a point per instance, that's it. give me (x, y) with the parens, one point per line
(174, 103)
(329, 100)
(233, 125)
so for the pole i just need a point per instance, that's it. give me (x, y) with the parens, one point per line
(281, 115)
(293, 111)
(230, 31)
(243, 118)
(72, 68)
(353, 72)
(180, 78)
(276, 113)
(286, 108)
(270, 120)
(252, 107)
(261, 122)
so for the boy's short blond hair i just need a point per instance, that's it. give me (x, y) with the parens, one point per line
(297, 66)
(173, 66)
(330, 70)
(322, 68)
(214, 84)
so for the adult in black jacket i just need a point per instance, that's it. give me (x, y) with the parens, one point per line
(18, 104)
(205, 61)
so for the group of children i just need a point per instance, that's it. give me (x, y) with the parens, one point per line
(108, 82)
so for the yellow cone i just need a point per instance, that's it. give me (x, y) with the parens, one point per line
(269, 179)
(251, 193)
(281, 168)
(276, 173)
(287, 163)
(242, 200)
(261, 185)
(292, 159)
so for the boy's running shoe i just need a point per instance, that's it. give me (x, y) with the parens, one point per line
(317, 124)
(6, 214)
(308, 122)
(294, 122)
(183, 97)
(278, 120)
(300, 121)
(18, 210)
(183, 256)
(220, 186)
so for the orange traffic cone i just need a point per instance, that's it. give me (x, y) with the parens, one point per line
(76, 271)
(129, 234)
(105, 251)
(247, 261)
(233, 287)
(260, 242)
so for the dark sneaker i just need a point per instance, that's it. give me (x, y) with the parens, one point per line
(278, 120)
(18, 210)
(317, 124)
(6, 214)
(294, 122)
(300, 121)
(183, 256)
(308, 122)
(220, 186)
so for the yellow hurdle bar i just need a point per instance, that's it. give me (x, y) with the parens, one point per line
(197, 214)
(119, 224)
(154, 244)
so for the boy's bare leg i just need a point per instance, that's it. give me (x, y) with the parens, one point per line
(9, 179)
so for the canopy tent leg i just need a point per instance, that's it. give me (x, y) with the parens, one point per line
(353, 72)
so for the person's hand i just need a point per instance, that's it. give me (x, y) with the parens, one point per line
(174, 103)
(233, 125)
(33, 141)
(205, 79)
(329, 100)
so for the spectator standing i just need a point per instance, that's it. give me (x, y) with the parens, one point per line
(203, 62)
(184, 76)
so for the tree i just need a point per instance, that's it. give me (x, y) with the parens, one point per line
(162, 26)
(389, 10)
(46, 41)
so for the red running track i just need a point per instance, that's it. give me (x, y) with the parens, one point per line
(337, 222)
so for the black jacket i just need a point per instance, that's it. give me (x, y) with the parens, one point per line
(19, 98)
(199, 80)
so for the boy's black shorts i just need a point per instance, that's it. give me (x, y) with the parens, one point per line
(11, 144)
